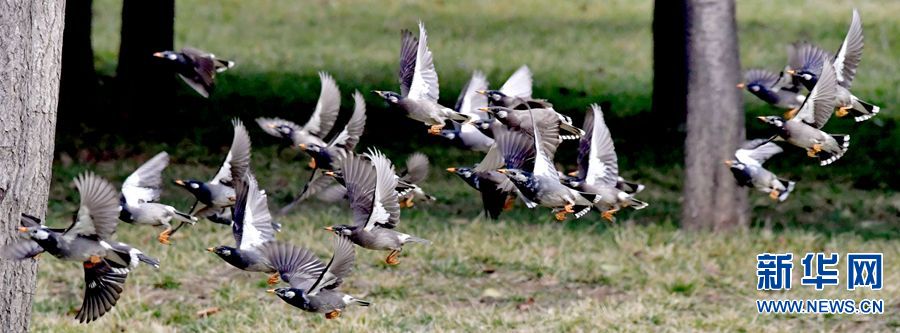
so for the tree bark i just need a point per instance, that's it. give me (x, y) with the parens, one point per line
(670, 62)
(78, 80)
(715, 118)
(147, 85)
(30, 51)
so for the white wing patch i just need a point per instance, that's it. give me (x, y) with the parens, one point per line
(425, 79)
(519, 83)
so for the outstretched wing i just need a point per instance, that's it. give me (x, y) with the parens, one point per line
(805, 56)
(761, 77)
(237, 162)
(470, 100)
(20, 250)
(416, 168)
(543, 164)
(102, 286)
(349, 136)
(425, 80)
(386, 205)
(271, 125)
(338, 268)
(819, 105)
(98, 213)
(252, 225)
(297, 266)
(408, 48)
(327, 109)
(756, 152)
(515, 150)
(850, 54)
(145, 183)
(359, 179)
(518, 84)
(603, 165)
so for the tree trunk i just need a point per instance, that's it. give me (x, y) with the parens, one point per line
(31, 35)
(78, 80)
(147, 85)
(670, 63)
(715, 118)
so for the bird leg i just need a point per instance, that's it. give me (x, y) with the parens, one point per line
(164, 236)
(842, 111)
(333, 314)
(273, 279)
(814, 151)
(435, 129)
(312, 163)
(567, 209)
(774, 194)
(608, 214)
(791, 113)
(92, 261)
(392, 258)
(407, 203)
(508, 205)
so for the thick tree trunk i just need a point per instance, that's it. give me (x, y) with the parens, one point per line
(146, 84)
(78, 80)
(715, 118)
(30, 51)
(670, 62)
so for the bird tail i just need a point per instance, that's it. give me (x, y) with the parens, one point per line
(582, 210)
(361, 302)
(129, 256)
(223, 65)
(148, 260)
(414, 239)
(629, 187)
(459, 117)
(790, 188)
(182, 217)
(575, 132)
(863, 110)
(843, 141)
(637, 204)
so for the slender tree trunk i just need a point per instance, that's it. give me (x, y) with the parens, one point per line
(670, 62)
(715, 118)
(78, 80)
(147, 85)
(30, 51)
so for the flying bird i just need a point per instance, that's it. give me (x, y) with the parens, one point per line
(468, 134)
(319, 124)
(749, 172)
(196, 68)
(140, 198)
(777, 90)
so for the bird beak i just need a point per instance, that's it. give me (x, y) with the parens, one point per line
(272, 126)
(179, 182)
(503, 171)
(159, 55)
(210, 249)
(573, 173)
(741, 85)
(329, 173)
(271, 291)
(761, 118)
(379, 92)
(728, 162)
(483, 92)
(302, 146)
(329, 228)
(791, 71)
(484, 109)
(451, 169)
(23, 229)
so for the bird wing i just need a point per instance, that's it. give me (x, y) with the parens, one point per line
(349, 136)
(204, 66)
(327, 108)
(756, 152)
(470, 101)
(20, 250)
(543, 164)
(850, 54)
(359, 179)
(252, 222)
(603, 165)
(317, 182)
(515, 149)
(145, 183)
(332, 194)
(425, 80)
(584, 145)
(237, 162)
(270, 125)
(518, 84)
(339, 267)
(761, 77)
(819, 104)
(102, 286)
(806, 56)
(98, 213)
(297, 266)
(386, 204)
(408, 47)
(416, 168)
(493, 160)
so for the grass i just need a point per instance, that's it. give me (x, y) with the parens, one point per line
(640, 275)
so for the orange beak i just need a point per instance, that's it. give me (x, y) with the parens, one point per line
(271, 291)
(22, 229)
(210, 249)
(573, 173)
(329, 228)
(729, 162)
(179, 182)
(761, 118)
(503, 171)
(741, 85)
(791, 71)
(329, 173)
(484, 109)
(451, 169)
(483, 92)
(302, 146)
(158, 54)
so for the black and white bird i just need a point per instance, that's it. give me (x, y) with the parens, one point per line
(416, 171)
(213, 198)
(419, 90)
(87, 240)
(469, 101)
(375, 207)
(314, 286)
(749, 172)
(515, 91)
(804, 129)
(520, 119)
(196, 68)
(140, 198)
(319, 124)
(807, 59)
(252, 228)
(778, 90)
(328, 157)
(542, 186)
(598, 167)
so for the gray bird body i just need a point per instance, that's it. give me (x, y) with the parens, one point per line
(518, 119)
(777, 90)
(252, 229)
(468, 103)
(156, 214)
(140, 193)
(319, 124)
(748, 169)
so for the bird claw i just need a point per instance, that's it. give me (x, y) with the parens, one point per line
(273, 279)
(312, 164)
(407, 203)
(164, 237)
(392, 258)
(608, 215)
(561, 216)
(508, 205)
(842, 112)
(774, 194)
(814, 151)
(435, 129)
(333, 314)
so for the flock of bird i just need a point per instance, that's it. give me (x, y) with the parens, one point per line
(828, 79)
(519, 135)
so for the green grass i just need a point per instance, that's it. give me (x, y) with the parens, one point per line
(640, 275)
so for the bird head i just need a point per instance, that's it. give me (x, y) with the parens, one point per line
(754, 87)
(37, 233)
(310, 148)
(222, 251)
(805, 76)
(735, 164)
(496, 111)
(341, 230)
(516, 175)
(463, 172)
(168, 55)
(389, 96)
(449, 134)
(482, 124)
(493, 95)
(292, 296)
(775, 121)
(284, 130)
(194, 186)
